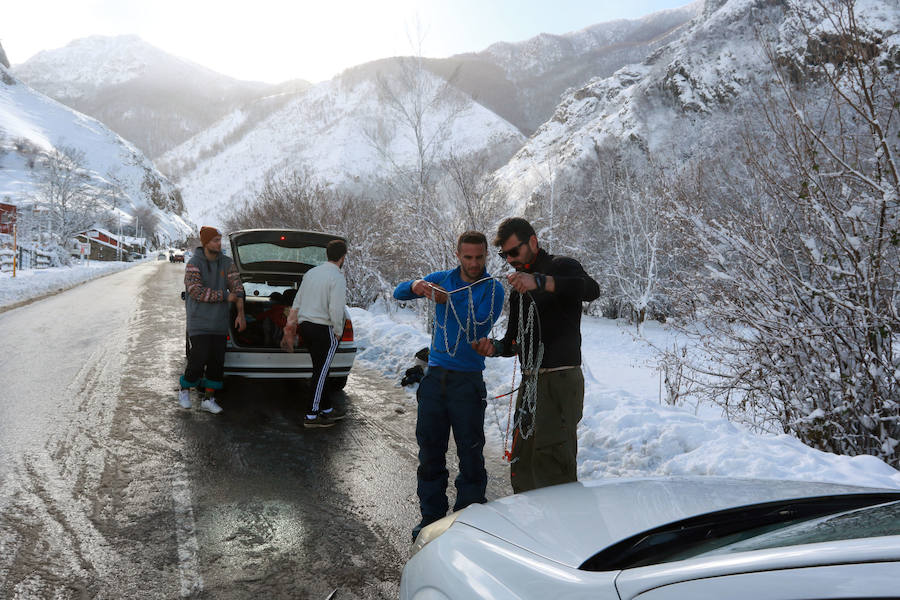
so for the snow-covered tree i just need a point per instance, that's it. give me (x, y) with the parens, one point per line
(802, 247)
(65, 191)
(615, 222)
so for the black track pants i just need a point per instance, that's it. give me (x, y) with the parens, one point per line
(322, 344)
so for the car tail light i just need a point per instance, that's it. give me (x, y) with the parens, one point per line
(348, 331)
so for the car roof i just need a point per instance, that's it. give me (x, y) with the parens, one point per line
(570, 523)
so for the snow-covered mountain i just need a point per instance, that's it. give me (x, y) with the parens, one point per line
(338, 131)
(679, 101)
(523, 81)
(151, 98)
(33, 126)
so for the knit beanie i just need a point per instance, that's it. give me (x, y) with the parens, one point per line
(208, 233)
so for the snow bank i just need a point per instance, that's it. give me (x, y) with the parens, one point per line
(34, 283)
(626, 430)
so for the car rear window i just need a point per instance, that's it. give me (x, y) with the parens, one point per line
(266, 252)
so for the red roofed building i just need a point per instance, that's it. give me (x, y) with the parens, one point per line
(7, 217)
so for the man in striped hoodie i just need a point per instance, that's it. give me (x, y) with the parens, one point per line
(211, 283)
(319, 309)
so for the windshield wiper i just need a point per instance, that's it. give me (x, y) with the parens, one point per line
(659, 544)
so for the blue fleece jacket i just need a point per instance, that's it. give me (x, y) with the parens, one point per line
(450, 344)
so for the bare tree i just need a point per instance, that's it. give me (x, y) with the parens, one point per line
(296, 200)
(420, 110)
(146, 219)
(635, 228)
(64, 189)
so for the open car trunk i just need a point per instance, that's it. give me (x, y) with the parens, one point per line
(268, 259)
(265, 323)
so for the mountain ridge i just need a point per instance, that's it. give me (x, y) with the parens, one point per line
(130, 85)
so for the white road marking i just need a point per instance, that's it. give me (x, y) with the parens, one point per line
(188, 548)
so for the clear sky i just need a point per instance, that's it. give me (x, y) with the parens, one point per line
(277, 40)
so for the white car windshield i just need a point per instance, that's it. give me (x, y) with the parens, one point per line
(873, 521)
(802, 521)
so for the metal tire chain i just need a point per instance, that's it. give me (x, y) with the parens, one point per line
(471, 321)
(531, 362)
(531, 359)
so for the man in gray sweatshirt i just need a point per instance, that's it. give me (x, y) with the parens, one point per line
(211, 283)
(319, 310)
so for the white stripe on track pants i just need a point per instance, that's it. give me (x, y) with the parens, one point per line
(322, 344)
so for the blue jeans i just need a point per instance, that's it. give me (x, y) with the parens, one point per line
(450, 400)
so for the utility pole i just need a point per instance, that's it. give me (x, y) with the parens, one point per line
(15, 245)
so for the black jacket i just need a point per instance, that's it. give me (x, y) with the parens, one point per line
(559, 311)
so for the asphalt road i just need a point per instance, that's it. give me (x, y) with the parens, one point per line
(108, 489)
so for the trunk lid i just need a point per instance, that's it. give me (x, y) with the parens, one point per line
(278, 254)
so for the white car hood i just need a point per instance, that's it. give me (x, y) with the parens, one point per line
(570, 523)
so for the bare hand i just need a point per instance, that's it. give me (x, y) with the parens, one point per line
(289, 338)
(484, 347)
(522, 282)
(240, 322)
(420, 287)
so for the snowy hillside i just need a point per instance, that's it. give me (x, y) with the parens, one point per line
(681, 99)
(329, 131)
(153, 99)
(33, 126)
(523, 81)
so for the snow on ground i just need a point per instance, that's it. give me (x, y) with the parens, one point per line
(34, 283)
(626, 429)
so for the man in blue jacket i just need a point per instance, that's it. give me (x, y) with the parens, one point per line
(452, 395)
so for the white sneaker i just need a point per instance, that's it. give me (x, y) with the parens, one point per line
(184, 398)
(209, 405)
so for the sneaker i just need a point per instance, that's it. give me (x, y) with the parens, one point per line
(319, 420)
(335, 414)
(209, 405)
(184, 398)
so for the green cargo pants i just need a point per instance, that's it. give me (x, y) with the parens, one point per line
(548, 455)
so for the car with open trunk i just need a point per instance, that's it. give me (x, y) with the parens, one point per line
(272, 263)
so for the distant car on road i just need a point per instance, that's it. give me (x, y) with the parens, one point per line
(161, 256)
(177, 256)
(703, 538)
(272, 263)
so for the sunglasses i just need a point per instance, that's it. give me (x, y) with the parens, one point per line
(513, 252)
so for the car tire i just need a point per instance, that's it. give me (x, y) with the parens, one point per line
(337, 383)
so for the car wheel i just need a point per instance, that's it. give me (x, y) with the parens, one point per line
(337, 383)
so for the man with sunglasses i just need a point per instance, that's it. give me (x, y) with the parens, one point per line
(557, 285)
(452, 395)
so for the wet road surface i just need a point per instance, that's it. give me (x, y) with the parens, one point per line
(108, 489)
